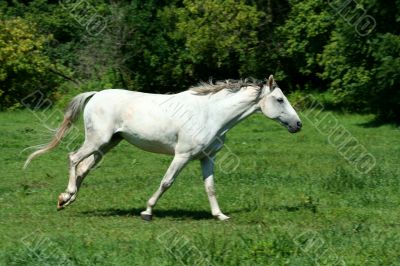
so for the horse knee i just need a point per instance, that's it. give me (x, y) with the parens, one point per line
(210, 191)
(166, 184)
(72, 159)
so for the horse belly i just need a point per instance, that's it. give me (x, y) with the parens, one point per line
(155, 146)
(148, 132)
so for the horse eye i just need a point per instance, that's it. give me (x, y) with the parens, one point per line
(280, 100)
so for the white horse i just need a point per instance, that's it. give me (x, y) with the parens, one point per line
(188, 125)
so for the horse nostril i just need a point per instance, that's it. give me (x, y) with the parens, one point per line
(299, 124)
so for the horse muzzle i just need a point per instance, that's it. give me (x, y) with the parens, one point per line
(295, 128)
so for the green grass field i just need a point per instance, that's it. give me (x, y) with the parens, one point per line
(294, 199)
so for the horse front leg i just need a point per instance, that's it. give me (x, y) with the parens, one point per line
(207, 167)
(175, 167)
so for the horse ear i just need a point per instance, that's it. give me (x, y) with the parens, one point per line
(271, 82)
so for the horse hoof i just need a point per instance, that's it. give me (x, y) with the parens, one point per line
(146, 217)
(64, 199)
(222, 217)
(60, 203)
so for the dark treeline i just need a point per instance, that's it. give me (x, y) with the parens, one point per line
(345, 52)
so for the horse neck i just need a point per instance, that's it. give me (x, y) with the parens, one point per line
(230, 108)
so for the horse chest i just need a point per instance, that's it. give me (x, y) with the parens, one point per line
(215, 145)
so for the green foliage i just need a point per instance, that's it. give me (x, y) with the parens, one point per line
(192, 42)
(160, 46)
(306, 31)
(363, 70)
(219, 37)
(152, 57)
(24, 67)
(384, 94)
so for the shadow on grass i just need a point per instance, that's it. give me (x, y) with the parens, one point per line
(378, 122)
(187, 214)
(177, 213)
(311, 207)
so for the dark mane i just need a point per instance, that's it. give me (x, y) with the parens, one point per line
(232, 85)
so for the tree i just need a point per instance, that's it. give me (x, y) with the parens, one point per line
(304, 34)
(363, 66)
(175, 45)
(220, 37)
(23, 65)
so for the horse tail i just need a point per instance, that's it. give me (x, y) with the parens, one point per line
(70, 116)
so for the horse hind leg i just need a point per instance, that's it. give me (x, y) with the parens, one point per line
(75, 158)
(81, 162)
(83, 168)
(86, 165)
